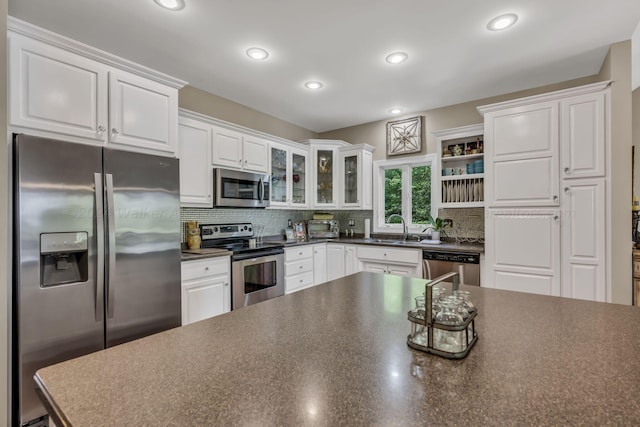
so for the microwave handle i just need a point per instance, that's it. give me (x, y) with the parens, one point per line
(261, 190)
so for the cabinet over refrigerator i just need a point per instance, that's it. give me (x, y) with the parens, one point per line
(96, 255)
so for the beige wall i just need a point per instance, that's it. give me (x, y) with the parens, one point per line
(635, 134)
(5, 273)
(208, 104)
(617, 67)
(374, 133)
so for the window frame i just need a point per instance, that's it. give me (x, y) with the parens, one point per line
(379, 167)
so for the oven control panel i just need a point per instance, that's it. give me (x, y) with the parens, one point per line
(225, 231)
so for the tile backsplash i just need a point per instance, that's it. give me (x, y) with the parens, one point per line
(274, 220)
(467, 223)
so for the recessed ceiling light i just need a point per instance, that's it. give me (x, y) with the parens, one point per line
(257, 53)
(313, 85)
(502, 22)
(395, 110)
(396, 57)
(171, 4)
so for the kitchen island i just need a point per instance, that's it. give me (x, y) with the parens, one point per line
(336, 354)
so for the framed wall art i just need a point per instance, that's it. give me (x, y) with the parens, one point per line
(404, 136)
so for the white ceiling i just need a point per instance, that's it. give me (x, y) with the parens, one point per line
(452, 57)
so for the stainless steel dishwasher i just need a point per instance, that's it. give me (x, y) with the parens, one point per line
(437, 263)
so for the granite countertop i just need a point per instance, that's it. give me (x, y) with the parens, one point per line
(202, 253)
(414, 244)
(336, 354)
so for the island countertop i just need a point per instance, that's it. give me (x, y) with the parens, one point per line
(336, 354)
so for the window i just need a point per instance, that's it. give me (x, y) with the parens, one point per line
(403, 187)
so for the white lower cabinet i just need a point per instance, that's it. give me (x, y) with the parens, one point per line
(351, 264)
(524, 254)
(298, 268)
(401, 262)
(583, 241)
(319, 263)
(335, 261)
(205, 288)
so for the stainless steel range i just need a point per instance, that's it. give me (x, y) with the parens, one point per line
(257, 270)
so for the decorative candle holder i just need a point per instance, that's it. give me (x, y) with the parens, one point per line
(448, 334)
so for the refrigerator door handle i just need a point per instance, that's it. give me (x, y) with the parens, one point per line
(99, 195)
(112, 244)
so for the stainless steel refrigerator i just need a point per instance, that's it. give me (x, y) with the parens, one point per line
(96, 254)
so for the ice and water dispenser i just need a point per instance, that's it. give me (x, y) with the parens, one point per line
(63, 258)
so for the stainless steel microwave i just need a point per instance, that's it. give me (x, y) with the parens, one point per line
(323, 228)
(240, 189)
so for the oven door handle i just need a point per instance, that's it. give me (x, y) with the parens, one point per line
(257, 256)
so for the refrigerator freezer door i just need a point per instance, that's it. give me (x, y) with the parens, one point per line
(143, 250)
(54, 192)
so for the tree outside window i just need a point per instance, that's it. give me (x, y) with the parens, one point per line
(404, 188)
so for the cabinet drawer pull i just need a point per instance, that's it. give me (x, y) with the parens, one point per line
(206, 269)
(301, 267)
(300, 281)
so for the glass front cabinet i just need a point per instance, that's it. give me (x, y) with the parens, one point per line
(289, 177)
(342, 174)
(356, 176)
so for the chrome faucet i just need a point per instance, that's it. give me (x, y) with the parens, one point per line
(405, 232)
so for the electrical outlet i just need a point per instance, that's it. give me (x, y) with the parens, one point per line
(352, 222)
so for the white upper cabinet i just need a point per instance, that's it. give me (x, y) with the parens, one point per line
(583, 136)
(289, 176)
(233, 149)
(63, 89)
(56, 91)
(227, 148)
(342, 174)
(255, 154)
(356, 166)
(196, 173)
(142, 113)
(521, 156)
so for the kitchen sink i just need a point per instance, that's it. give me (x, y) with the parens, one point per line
(389, 241)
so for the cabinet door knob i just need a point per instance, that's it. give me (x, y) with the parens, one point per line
(226, 283)
(556, 217)
(301, 267)
(299, 253)
(239, 160)
(246, 161)
(555, 198)
(300, 281)
(566, 170)
(114, 131)
(206, 269)
(101, 130)
(566, 189)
